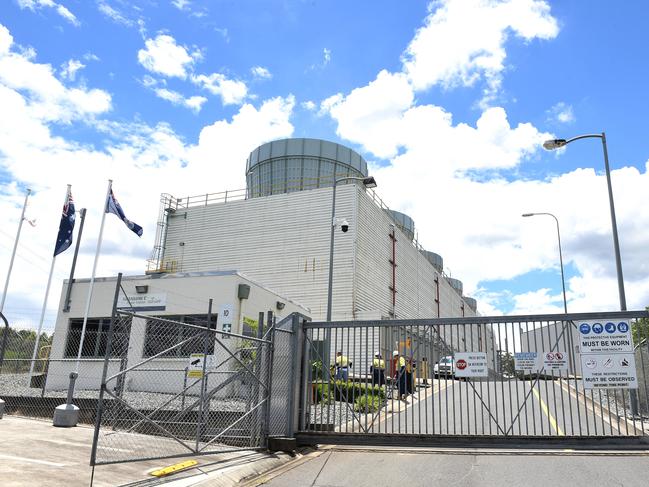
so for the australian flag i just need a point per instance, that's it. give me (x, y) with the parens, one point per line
(112, 206)
(64, 238)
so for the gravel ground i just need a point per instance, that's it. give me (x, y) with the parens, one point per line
(16, 385)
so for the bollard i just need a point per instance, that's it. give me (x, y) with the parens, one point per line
(67, 415)
(2, 408)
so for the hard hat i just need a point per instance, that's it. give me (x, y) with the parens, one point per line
(377, 353)
(395, 353)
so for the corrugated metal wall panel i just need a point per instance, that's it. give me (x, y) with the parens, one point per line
(281, 241)
(415, 275)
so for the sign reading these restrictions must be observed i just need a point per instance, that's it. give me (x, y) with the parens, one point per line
(471, 364)
(607, 356)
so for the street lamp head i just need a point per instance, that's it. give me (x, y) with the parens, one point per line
(369, 182)
(527, 214)
(554, 144)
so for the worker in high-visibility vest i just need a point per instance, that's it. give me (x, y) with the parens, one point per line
(342, 365)
(400, 374)
(378, 370)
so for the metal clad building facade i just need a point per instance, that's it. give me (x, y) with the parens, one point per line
(283, 241)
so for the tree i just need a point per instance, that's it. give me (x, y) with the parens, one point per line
(640, 330)
(507, 365)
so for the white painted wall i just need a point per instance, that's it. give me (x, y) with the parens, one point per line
(185, 294)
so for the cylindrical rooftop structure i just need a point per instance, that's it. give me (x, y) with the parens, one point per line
(473, 304)
(404, 222)
(288, 165)
(456, 284)
(435, 259)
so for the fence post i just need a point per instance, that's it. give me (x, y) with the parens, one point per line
(201, 412)
(270, 354)
(109, 346)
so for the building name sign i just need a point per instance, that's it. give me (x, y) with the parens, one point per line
(143, 302)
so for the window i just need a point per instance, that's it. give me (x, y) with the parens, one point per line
(96, 338)
(162, 334)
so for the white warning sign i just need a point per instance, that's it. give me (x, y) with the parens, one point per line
(471, 364)
(526, 361)
(607, 358)
(554, 361)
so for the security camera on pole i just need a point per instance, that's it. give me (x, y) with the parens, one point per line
(368, 182)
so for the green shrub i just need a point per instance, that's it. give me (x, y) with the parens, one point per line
(367, 404)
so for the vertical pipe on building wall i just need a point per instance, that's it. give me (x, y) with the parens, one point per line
(437, 293)
(393, 263)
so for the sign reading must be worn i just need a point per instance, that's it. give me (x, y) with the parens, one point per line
(607, 356)
(471, 364)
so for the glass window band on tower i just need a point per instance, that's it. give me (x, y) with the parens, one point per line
(288, 165)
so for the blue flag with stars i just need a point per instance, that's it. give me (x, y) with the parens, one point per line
(66, 227)
(112, 206)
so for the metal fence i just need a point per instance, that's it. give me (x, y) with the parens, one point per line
(181, 389)
(424, 389)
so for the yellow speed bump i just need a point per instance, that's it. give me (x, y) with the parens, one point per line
(174, 468)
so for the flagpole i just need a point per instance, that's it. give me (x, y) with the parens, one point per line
(92, 279)
(66, 301)
(40, 323)
(13, 253)
(47, 293)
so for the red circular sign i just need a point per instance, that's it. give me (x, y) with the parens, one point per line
(461, 364)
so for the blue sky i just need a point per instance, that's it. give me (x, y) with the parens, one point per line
(448, 100)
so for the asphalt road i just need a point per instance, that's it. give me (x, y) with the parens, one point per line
(504, 408)
(414, 468)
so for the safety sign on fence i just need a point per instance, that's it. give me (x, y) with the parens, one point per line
(554, 361)
(195, 367)
(471, 364)
(607, 355)
(526, 361)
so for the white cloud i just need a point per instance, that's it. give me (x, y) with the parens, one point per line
(463, 41)
(69, 69)
(232, 92)
(114, 14)
(34, 5)
(163, 56)
(261, 72)
(308, 105)
(49, 99)
(194, 103)
(326, 56)
(561, 113)
(450, 177)
(33, 101)
(181, 4)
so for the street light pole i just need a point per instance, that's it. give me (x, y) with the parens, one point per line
(563, 280)
(556, 144)
(368, 182)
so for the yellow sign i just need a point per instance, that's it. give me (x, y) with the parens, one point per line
(250, 322)
(195, 368)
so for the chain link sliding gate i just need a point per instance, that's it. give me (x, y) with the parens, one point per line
(428, 398)
(173, 389)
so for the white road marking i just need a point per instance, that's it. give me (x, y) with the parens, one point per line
(31, 460)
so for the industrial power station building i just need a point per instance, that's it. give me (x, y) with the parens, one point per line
(278, 233)
(275, 236)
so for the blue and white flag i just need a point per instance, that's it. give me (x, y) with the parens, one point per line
(112, 206)
(66, 227)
